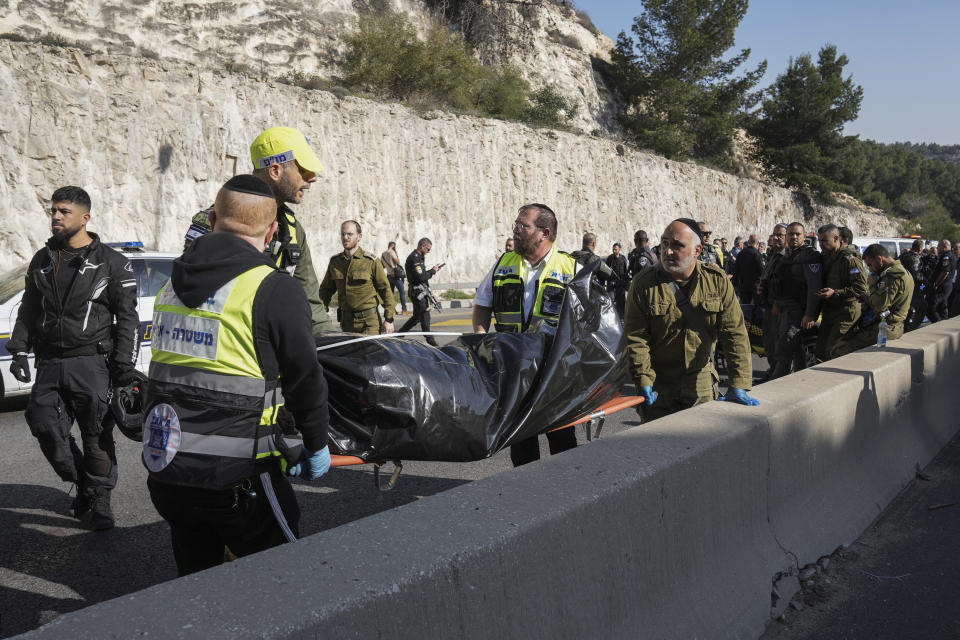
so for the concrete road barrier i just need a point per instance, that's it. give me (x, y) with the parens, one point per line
(673, 529)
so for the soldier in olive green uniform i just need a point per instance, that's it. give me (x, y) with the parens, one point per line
(844, 284)
(360, 284)
(891, 289)
(675, 314)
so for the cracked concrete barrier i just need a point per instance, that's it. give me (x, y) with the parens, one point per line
(673, 529)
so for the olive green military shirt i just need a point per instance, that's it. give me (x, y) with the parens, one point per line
(660, 347)
(845, 273)
(303, 271)
(359, 282)
(893, 290)
(307, 277)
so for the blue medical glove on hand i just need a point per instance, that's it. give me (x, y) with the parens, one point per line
(649, 395)
(739, 396)
(20, 368)
(312, 465)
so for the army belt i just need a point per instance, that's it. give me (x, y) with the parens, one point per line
(363, 314)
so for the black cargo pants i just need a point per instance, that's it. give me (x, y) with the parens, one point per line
(421, 316)
(68, 389)
(203, 522)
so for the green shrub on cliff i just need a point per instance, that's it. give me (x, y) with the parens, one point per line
(387, 58)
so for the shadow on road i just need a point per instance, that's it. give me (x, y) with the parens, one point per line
(50, 565)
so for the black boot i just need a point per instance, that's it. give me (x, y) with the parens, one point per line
(81, 503)
(100, 515)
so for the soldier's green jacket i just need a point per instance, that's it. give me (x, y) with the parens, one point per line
(845, 273)
(664, 353)
(893, 290)
(359, 282)
(303, 271)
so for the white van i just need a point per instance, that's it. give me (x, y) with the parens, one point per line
(895, 246)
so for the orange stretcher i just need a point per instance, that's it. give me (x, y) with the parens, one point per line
(593, 421)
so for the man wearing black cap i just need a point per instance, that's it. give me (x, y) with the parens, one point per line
(231, 331)
(675, 315)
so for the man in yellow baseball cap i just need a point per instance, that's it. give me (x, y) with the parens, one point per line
(283, 144)
(282, 158)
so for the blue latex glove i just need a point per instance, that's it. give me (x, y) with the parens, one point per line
(649, 395)
(739, 396)
(312, 465)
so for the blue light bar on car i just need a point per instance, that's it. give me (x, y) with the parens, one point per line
(135, 244)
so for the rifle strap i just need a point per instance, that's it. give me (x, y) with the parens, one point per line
(691, 317)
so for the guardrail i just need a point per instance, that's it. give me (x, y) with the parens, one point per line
(673, 529)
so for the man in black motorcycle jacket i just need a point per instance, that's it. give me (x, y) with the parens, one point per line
(79, 315)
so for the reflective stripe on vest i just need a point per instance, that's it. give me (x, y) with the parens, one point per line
(508, 290)
(205, 366)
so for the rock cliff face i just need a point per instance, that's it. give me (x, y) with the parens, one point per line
(266, 39)
(152, 141)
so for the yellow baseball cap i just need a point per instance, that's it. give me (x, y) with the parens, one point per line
(282, 144)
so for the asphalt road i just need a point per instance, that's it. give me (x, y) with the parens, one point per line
(50, 565)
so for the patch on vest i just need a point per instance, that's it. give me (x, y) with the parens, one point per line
(508, 271)
(186, 335)
(561, 276)
(161, 437)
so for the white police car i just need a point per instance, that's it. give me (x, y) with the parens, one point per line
(152, 270)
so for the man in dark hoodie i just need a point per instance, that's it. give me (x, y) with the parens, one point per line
(231, 330)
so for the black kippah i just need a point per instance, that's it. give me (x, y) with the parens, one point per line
(247, 183)
(690, 222)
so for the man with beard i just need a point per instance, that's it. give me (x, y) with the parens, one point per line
(282, 158)
(844, 283)
(675, 315)
(709, 252)
(795, 286)
(524, 292)
(361, 285)
(79, 315)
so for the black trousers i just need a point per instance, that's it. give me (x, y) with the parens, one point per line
(421, 315)
(529, 450)
(789, 349)
(68, 389)
(204, 522)
(939, 308)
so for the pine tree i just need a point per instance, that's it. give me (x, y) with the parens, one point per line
(682, 99)
(799, 130)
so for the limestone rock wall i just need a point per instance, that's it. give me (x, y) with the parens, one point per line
(266, 39)
(152, 141)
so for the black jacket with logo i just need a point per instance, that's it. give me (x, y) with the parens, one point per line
(796, 280)
(79, 321)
